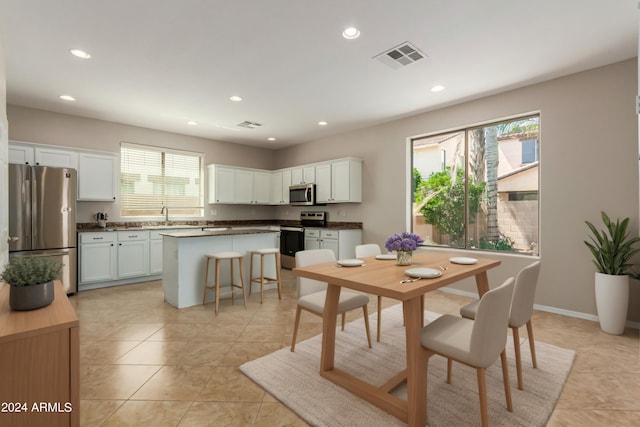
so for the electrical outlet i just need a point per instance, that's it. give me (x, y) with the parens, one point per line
(213, 212)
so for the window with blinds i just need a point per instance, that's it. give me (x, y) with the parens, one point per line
(153, 177)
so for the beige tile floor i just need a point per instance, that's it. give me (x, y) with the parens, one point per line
(145, 363)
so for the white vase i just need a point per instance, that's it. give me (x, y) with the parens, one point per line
(612, 302)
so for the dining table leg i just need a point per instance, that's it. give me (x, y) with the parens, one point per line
(329, 317)
(482, 283)
(416, 364)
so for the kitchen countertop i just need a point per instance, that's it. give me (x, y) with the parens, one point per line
(181, 234)
(131, 226)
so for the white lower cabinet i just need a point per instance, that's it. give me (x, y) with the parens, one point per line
(98, 254)
(133, 254)
(155, 252)
(113, 258)
(342, 242)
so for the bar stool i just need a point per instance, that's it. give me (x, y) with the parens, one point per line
(220, 256)
(262, 279)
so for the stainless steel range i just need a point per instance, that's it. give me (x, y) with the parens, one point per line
(292, 236)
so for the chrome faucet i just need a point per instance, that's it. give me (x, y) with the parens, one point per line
(165, 211)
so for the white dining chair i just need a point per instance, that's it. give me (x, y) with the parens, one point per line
(521, 312)
(312, 293)
(476, 343)
(365, 251)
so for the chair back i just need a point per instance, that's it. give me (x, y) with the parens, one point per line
(524, 294)
(489, 334)
(310, 257)
(367, 250)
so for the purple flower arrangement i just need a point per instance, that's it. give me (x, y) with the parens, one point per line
(403, 242)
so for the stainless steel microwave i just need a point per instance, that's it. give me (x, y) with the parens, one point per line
(302, 195)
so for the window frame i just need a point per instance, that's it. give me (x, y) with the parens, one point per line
(165, 195)
(466, 131)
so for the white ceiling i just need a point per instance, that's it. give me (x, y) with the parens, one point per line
(161, 63)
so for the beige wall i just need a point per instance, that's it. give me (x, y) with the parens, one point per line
(588, 151)
(45, 127)
(4, 198)
(589, 163)
(3, 84)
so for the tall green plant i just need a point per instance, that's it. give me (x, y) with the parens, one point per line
(612, 249)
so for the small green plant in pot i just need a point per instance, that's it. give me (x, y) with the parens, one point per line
(612, 250)
(31, 281)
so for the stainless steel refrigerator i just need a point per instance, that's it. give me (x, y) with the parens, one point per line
(42, 216)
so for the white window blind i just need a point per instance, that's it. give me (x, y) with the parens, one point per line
(153, 177)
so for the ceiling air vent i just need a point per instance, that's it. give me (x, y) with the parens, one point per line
(400, 56)
(249, 124)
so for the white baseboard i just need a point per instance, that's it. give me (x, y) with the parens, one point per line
(548, 309)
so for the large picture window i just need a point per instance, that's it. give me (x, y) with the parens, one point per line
(152, 178)
(477, 188)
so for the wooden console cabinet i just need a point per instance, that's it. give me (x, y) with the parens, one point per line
(39, 364)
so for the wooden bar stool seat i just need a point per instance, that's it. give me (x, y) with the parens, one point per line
(221, 256)
(262, 279)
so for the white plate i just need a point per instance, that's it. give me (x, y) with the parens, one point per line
(386, 256)
(425, 273)
(350, 262)
(463, 260)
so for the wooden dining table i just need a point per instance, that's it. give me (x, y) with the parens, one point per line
(383, 277)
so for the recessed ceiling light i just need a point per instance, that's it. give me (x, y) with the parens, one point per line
(322, 123)
(192, 123)
(67, 98)
(235, 98)
(437, 88)
(80, 53)
(271, 138)
(351, 33)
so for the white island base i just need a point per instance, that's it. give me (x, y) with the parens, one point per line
(184, 262)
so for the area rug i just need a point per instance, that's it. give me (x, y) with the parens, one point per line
(294, 379)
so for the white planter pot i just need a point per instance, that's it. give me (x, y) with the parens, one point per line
(612, 301)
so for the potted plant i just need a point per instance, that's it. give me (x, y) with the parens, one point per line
(612, 250)
(31, 281)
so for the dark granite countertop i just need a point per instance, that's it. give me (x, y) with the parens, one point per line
(182, 234)
(151, 225)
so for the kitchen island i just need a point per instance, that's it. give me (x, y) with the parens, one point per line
(183, 258)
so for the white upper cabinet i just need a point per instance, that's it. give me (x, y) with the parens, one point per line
(232, 185)
(22, 154)
(244, 186)
(261, 187)
(47, 156)
(42, 155)
(280, 183)
(339, 181)
(98, 176)
(221, 184)
(98, 173)
(303, 175)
